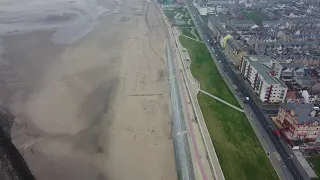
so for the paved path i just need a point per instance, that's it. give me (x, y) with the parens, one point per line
(185, 98)
(199, 167)
(221, 100)
(191, 38)
(193, 87)
(194, 33)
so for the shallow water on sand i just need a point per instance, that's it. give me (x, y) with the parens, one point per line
(70, 19)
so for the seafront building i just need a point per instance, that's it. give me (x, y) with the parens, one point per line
(263, 73)
(299, 121)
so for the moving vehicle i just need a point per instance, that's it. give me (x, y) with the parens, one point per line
(277, 133)
(246, 99)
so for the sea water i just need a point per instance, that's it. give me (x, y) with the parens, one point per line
(69, 19)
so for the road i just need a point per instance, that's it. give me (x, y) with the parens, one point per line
(295, 169)
(271, 111)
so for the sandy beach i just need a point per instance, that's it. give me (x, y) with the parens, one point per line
(92, 104)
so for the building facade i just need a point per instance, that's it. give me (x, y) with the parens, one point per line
(299, 121)
(235, 51)
(263, 77)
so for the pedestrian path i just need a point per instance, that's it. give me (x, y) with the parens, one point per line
(221, 100)
(191, 38)
(194, 33)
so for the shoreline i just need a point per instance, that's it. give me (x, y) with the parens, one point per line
(77, 112)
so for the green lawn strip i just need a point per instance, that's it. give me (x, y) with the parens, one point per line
(256, 17)
(185, 26)
(187, 32)
(205, 71)
(238, 149)
(181, 10)
(170, 15)
(315, 162)
(239, 152)
(196, 32)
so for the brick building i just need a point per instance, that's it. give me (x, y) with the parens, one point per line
(299, 121)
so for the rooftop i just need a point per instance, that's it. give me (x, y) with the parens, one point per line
(245, 22)
(304, 112)
(235, 44)
(264, 71)
(259, 63)
(293, 95)
(259, 58)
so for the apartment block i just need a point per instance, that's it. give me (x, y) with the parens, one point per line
(263, 75)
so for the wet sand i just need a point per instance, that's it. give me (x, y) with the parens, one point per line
(97, 108)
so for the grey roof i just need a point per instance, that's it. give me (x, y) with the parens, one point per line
(292, 65)
(303, 112)
(316, 88)
(244, 22)
(305, 80)
(264, 71)
(259, 58)
(235, 44)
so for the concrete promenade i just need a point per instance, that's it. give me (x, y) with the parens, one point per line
(193, 87)
(200, 163)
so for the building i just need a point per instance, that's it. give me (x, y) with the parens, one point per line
(235, 50)
(220, 2)
(246, 23)
(263, 75)
(295, 96)
(201, 7)
(310, 97)
(223, 41)
(181, 2)
(217, 26)
(299, 78)
(289, 71)
(168, 1)
(299, 121)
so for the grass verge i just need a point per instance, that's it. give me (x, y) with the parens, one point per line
(187, 32)
(196, 32)
(256, 17)
(315, 162)
(171, 12)
(206, 72)
(170, 15)
(184, 28)
(239, 151)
